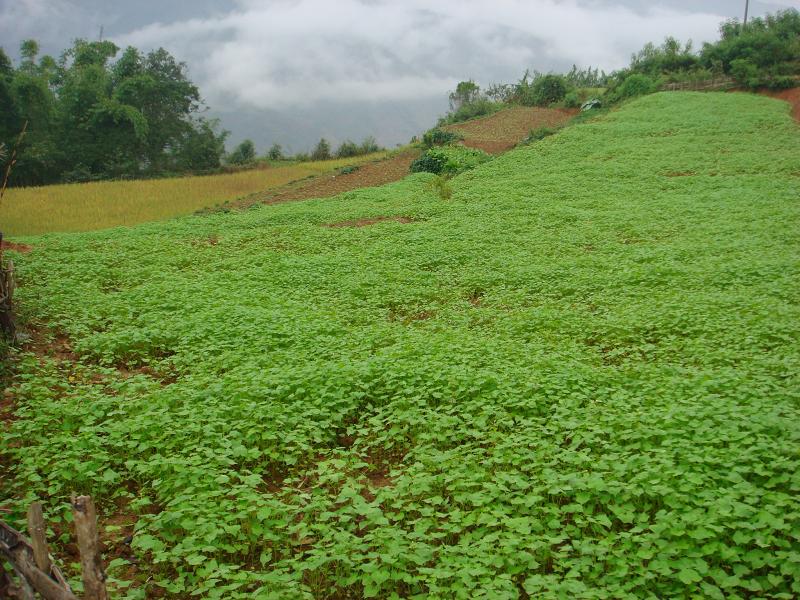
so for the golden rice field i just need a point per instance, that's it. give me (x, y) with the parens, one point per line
(100, 205)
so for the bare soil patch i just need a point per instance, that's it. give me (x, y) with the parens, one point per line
(372, 174)
(792, 96)
(369, 221)
(23, 248)
(503, 130)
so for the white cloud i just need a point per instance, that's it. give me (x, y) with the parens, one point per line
(281, 53)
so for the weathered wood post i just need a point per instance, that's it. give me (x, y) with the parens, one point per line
(38, 533)
(94, 578)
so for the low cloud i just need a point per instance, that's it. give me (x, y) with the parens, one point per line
(281, 53)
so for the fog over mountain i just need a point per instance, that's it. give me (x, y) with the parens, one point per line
(291, 71)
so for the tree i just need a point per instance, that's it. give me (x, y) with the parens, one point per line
(275, 152)
(201, 147)
(91, 117)
(466, 92)
(243, 154)
(322, 151)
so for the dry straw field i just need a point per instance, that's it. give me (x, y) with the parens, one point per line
(99, 205)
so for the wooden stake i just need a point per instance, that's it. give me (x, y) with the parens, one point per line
(37, 532)
(94, 578)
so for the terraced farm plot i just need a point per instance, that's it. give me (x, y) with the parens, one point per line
(503, 130)
(578, 378)
(91, 206)
(369, 174)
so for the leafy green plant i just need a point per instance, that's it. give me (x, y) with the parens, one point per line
(440, 137)
(449, 160)
(577, 378)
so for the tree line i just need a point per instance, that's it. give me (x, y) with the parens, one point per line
(97, 112)
(763, 53)
(91, 117)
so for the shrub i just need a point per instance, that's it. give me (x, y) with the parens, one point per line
(369, 145)
(322, 151)
(347, 149)
(449, 160)
(571, 100)
(275, 152)
(548, 89)
(243, 154)
(633, 85)
(439, 137)
(465, 112)
(440, 186)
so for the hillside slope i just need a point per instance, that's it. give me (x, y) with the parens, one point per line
(577, 378)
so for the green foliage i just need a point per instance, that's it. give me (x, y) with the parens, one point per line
(449, 160)
(539, 134)
(466, 92)
(540, 90)
(586, 78)
(347, 149)
(440, 137)
(654, 61)
(369, 145)
(765, 53)
(571, 100)
(465, 112)
(441, 187)
(349, 169)
(322, 151)
(87, 114)
(633, 85)
(575, 379)
(243, 154)
(275, 152)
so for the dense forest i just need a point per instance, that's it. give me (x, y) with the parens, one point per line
(90, 116)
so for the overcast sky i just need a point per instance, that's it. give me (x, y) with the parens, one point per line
(293, 70)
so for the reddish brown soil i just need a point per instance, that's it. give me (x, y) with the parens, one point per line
(371, 174)
(503, 130)
(792, 96)
(16, 247)
(370, 221)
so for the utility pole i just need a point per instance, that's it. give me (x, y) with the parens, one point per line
(746, 7)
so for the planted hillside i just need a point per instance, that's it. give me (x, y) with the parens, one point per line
(577, 378)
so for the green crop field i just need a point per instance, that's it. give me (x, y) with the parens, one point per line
(579, 377)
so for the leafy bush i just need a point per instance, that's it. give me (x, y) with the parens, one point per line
(449, 160)
(243, 154)
(472, 110)
(347, 149)
(369, 145)
(349, 169)
(322, 151)
(632, 86)
(541, 90)
(571, 100)
(745, 72)
(439, 137)
(441, 187)
(764, 53)
(275, 152)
